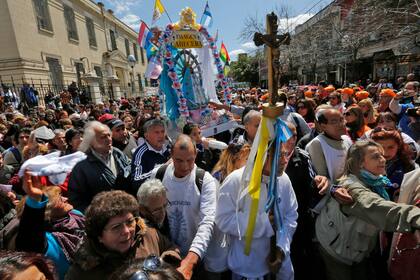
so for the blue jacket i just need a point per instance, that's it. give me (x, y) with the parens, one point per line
(144, 160)
(33, 237)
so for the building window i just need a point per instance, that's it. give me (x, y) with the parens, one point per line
(136, 55)
(127, 47)
(80, 69)
(70, 23)
(140, 82)
(42, 15)
(91, 32)
(142, 55)
(56, 72)
(98, 71)
(113, 41)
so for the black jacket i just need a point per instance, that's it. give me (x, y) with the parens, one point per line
(91, 176)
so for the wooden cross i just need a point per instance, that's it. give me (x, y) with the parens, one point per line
(273, 41)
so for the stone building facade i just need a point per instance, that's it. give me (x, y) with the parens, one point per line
(350, 40)
(50, 43)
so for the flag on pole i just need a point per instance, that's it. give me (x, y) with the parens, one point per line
(224, 55)
(158, 11)
(216, 36)
(144, 35)
(206, 18)
(154, 68)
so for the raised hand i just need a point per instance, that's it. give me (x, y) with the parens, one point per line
(32, 186)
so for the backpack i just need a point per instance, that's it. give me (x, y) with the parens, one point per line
(199, 175)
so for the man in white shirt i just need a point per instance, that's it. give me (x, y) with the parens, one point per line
(232, 218)
(191, 210)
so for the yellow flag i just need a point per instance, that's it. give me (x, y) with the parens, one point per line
(158, 11)
(255, 184)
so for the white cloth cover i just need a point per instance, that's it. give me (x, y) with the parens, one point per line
(52, 165)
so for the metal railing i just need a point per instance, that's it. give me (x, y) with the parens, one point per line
(42, 86)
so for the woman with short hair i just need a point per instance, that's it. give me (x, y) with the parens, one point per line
(115, 234)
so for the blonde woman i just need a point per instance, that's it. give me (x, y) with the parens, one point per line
(234, 157)
(369, 113)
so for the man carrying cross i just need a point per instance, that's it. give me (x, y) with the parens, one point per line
(258, 209)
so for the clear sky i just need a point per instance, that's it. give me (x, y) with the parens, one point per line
(228, 15)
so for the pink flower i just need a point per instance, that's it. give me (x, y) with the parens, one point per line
(176, 85)
(172, 75)
(170, 64)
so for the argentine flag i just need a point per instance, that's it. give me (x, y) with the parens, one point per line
(206, 18)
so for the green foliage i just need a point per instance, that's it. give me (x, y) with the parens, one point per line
(245, 70)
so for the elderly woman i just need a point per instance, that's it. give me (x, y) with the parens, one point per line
(348, 234)
(115, 235)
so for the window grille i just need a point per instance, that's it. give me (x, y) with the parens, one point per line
(70, 23)
(113, 41)
(42, 15)
(91, 32)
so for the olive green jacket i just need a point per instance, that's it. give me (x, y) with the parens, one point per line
(349, 232)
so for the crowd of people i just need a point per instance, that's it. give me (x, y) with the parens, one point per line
(140, 205)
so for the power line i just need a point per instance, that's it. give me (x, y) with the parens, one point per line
(301, 14)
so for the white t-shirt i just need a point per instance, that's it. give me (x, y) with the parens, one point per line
(191, 212)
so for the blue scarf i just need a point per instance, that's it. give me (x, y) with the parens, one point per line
(376, 183)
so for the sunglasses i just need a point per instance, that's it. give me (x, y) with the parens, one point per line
(235, 147)
(379, 129)
(151, 264)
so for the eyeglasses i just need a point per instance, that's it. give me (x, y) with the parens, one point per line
(119, 227)
(335, 121)
(160, 209)
(151, 264)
